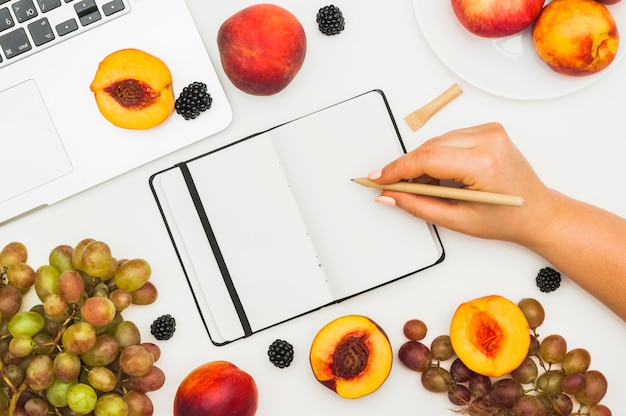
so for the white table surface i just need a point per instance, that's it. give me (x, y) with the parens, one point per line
(574, 142)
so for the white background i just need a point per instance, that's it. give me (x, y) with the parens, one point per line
(574, 142)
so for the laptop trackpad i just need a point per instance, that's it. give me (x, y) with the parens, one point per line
(30, 147)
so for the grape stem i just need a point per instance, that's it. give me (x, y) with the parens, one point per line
(15, 396)
(6, 378)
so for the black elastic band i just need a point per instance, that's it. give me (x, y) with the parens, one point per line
(195, 197)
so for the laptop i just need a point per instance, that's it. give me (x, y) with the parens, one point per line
(54, 141)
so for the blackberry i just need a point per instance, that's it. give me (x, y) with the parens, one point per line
(163, 327)
(280, 353)
(330, 20)
(193, 100)
(548, 279)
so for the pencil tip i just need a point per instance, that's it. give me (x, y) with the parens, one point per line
(352, 179)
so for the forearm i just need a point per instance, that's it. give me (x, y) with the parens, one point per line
(588, 245)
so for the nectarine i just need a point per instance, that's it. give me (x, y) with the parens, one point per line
(133, 89)
(496, 18)
(217, 388)
(576, 37)
(351, 355)
(262, 48)
(490, 335)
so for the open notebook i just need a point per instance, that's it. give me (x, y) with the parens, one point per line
(271, 227)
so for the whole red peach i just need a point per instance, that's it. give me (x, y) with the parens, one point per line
(262, 48)
(217, 388)
(496, 18)
(576, 37)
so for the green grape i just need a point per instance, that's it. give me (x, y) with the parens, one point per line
(152, 381)
(60, 258)
(553, 348)
(46, 281)
(112, 326)
(127, 334)
(111, 405)
(139, 404)
(54, 307)
(577, 360)
(26, 323)
(415, 355)
(550, 381)
(135, 360)
(563, 402)
(102, 379)
(40, 372)
(530, 405)
(21, 345)
(20, 275)
(81, 398)
(436, 379)
(67, 366)
(594, 390)
(71, 286)
(121, 299)
(10, 301)
(441, 348)
(15, 374)
(101, 289)
(36, 406)
(56, 394)
(132, 274)
(96, 258)
(79, 338)
(505, 393)
(145, 295)
(415, 329)
(597, 410)
(526, 372)
(104, 352)
(98, 311)
(77, 252)
(533, 311)
(154, 349)
(14, 252)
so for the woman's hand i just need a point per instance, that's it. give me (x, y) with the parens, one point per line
(481, 158)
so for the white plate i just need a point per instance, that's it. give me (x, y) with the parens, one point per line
(508, 67)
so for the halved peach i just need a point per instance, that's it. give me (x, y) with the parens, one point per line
(490, 335)
(133, 89)
(351, 355)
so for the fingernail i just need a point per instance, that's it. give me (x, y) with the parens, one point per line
(375, 174)
(386, 200)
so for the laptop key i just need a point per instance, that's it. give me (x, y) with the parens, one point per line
(41, 31)
(6, 20)
(24, 10)
(15, 43)
(112, 7)
(47, 5)
(87, 11)
(66, 27)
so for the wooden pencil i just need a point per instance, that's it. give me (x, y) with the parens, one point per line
(461, 194)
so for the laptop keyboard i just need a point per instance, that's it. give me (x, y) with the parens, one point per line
(28, 26)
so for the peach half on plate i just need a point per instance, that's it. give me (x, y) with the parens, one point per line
(351, 355)
(133, 89)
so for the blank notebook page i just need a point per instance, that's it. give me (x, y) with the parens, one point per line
(294, 232)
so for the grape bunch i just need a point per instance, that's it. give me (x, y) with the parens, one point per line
(73, 353)
(551, 381)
